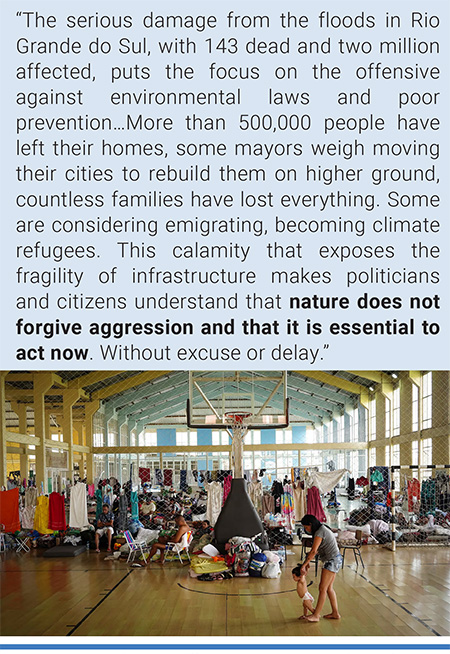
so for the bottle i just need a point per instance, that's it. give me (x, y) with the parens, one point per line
(87, 545)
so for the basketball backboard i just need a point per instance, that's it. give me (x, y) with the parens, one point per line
(261, 396)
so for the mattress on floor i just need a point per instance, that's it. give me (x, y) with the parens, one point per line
(64, 550)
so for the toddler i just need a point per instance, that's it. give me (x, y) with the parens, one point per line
(302, 591)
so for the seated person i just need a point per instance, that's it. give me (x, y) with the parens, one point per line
(104, 526)
(204, 534)
(182, 528)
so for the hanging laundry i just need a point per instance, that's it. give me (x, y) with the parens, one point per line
(226, 487)
(159, 476)
(56, 512)
(362, 481)
(78, 506)
(41, 516)
(287, 504)
(376, 476)
(91, 490)
(314, 504)
(183, 481)
(299, 494)
(99, 505)
(255, 491)
(134, 506)
(324, 481)
(214, 503)
(268, 504)
(9, 510)
(168, 476)
(121, 520)
(413, 494)
(277, 492)
(30, 496)
(27, 517)
(145, 475)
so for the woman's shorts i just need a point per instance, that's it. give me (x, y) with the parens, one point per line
(334, 565)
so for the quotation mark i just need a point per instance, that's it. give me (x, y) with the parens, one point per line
(18, 13)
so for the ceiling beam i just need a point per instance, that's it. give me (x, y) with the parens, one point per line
(127, 383)
(332, 380)
(93, 378)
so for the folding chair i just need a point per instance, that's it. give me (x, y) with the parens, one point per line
(355, 547)
(22, 544)
(135, 546)
(177, 548)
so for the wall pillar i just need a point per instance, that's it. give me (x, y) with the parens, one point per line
(42, 382)
(3, 461)
(89, 410)
(70, 397)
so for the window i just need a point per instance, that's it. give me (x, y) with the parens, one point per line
(427, 451)
(354, 428)
(148, 439)
(415, 407)
(220, 437)
(387, 410)
(387, 455)
(283, 436)
(373, 419)
(372, 457)
(396, 412)
(415, 453)
(426, 400)
(182, 438)
(341, 427)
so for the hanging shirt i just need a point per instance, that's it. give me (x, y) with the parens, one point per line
(214, 503)
(9, 510)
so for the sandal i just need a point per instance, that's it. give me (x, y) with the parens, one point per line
(97, 551)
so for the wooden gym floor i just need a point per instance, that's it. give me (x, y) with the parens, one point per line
(401, 594)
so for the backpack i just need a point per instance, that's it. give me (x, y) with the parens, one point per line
(257, 563)
(241, 564)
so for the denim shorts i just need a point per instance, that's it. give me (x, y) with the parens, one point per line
(334, 565)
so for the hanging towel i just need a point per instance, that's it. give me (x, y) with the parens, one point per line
(78, 506)
(299, 501)
(9, 510)
(27, 517)
(56, 512)
(91, 490)
(214, 503)
(41, 516)
(226, 487)
(167, 477)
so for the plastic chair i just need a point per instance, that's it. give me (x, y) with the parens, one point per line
(135, 546)
(177, 548)
(355, 547)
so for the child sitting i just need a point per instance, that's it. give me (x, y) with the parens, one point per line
(302, 591)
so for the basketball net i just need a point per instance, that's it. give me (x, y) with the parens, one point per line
(238, 428)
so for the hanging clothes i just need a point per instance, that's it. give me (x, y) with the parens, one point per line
(91, 490)
(183, 481)
(99, 505)
(277, 492)
(27, 517)
(324, 481)
(56, 512)
(299, 495)
(255, 492)
(428, 496)
(413, 494)
(287, 504)
(145, 475)
(9, 510)
(226, 487)
(314, 504)
(159, 476)
(168, 476)
(134, 506)
(41, 516)
(108, 496)
(214, 503)
(78, 506)
(121, 520)
(30, 496)
(268, 504)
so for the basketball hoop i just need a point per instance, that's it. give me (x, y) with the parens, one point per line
(238, 428)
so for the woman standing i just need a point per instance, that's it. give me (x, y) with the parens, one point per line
(324, 544)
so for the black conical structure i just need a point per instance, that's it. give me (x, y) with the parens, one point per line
(238, 516)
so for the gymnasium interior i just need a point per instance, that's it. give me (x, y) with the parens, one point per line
(367, 451)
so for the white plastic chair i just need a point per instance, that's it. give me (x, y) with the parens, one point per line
(135, 546)
(177, 548)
